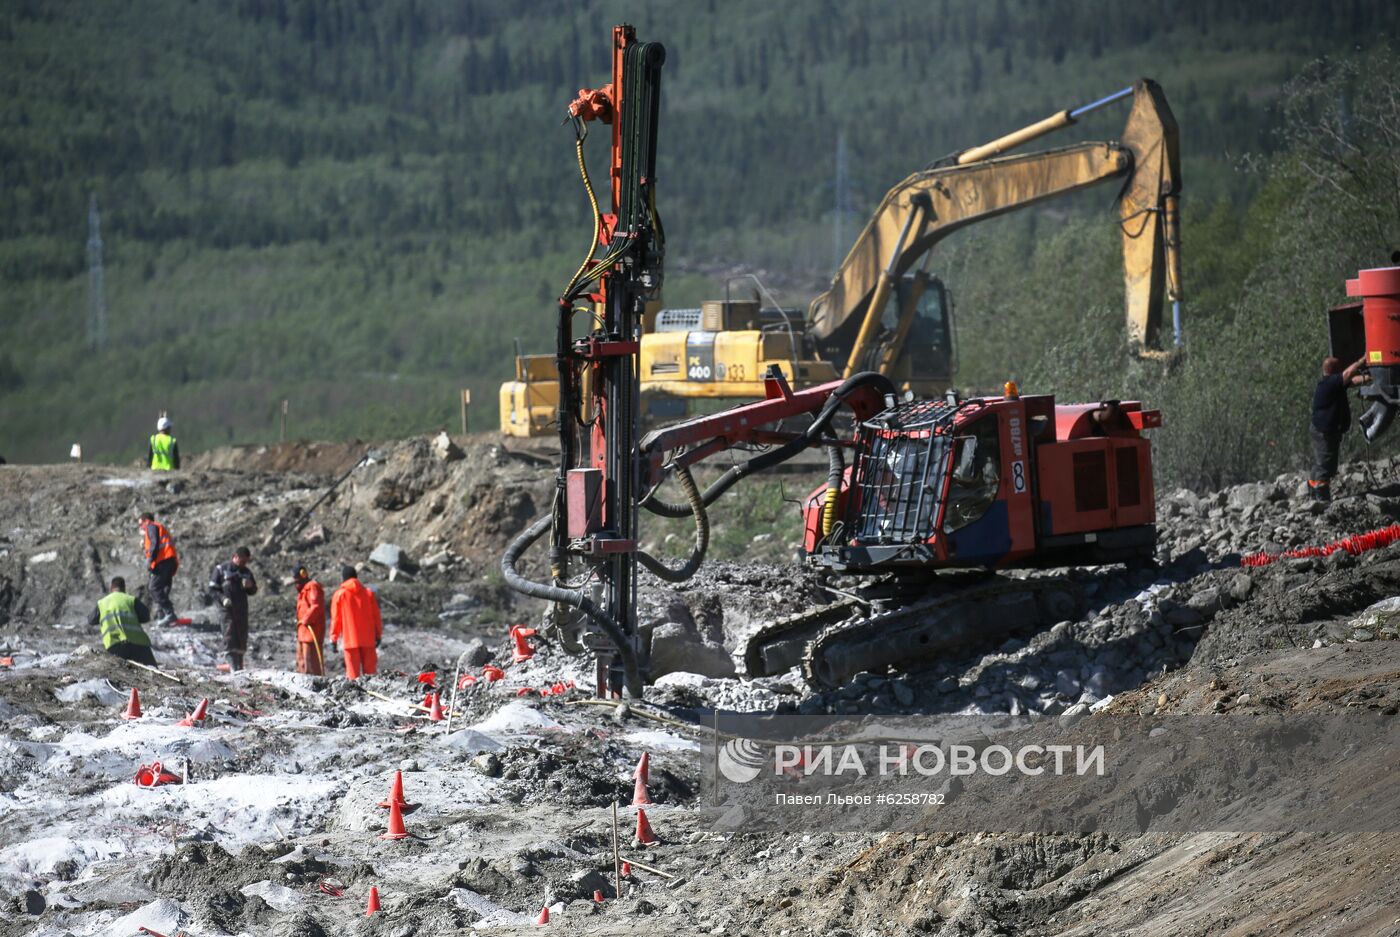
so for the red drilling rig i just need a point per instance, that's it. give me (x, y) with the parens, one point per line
(926, 500)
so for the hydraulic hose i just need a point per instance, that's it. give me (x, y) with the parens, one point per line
(835, 474)
(881, 384)
(702, 535)
(571, 597)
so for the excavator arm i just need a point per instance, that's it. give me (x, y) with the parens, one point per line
(980, 184)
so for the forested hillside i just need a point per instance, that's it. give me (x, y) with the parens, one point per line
(359, 205)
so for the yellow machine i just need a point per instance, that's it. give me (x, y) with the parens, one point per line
(529, 402)
(880, 314)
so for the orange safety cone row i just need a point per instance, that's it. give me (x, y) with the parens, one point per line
(133, 706)
(200, 712)
(544, 915)
(396, 828)
(644, 835)
(373, 905)
(522, 651)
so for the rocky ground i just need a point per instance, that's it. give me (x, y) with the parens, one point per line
(515, 794)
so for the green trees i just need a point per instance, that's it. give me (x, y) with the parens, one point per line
(300, 195)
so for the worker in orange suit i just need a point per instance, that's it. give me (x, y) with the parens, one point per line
(355, 619)
(311, 622)
(162, 561)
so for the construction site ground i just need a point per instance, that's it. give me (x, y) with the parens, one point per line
(276, 829)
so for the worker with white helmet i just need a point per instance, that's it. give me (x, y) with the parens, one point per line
(164, 452)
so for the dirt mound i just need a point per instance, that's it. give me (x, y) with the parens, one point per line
(310, 458)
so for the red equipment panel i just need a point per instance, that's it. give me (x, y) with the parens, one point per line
(1095, 483)
(1016, 488)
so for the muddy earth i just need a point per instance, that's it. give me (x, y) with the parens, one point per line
(275, 825)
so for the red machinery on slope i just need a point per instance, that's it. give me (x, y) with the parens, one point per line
(938, 493)
(1370, 328)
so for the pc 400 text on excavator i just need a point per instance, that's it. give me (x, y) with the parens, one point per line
(926, 500)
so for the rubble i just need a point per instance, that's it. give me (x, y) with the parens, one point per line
(516, 802)
(391, 556)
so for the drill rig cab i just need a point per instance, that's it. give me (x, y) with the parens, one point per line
(999, 483)
(991, 482)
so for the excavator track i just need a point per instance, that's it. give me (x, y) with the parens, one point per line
(780, 645)
(918, 632)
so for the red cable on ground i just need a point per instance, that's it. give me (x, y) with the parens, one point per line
(1355, 544)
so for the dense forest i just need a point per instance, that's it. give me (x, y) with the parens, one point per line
(359, 205)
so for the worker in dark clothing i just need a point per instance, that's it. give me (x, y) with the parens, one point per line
(162, 561)
(163, 453)
(231, 583)
(1331, 417)
(120, 616)
(1108, 419)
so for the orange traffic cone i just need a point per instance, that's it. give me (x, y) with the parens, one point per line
(396, 795)
(197, 716)
(626, 870)
(396, 828)
(644, 834)
(523, 650)
(544, 915)
(491, 673)
(597, 896)
(435, 713)
(133, 706)
(639, 789)
(373, 905)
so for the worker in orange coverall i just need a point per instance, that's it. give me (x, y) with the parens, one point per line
(311, 622)
(355, 618)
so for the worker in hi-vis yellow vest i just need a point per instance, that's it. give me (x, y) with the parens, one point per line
(164, 452)
(119, 616)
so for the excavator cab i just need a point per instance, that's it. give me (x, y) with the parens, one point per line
(917, 335)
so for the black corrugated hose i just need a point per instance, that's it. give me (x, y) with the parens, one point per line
(702, 534)
(779, 455)
(574, 598)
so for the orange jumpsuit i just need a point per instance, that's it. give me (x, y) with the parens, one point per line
(311, 628)
(355, 622)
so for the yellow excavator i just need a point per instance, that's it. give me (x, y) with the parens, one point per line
(880, 313)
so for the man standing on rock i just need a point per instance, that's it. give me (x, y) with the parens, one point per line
(162, 561)
(231, 583)
(119, 617)
(355, 617)
(1331, 417)
(163, 453)
(311, 622)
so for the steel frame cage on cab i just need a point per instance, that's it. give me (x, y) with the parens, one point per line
(993, 482)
